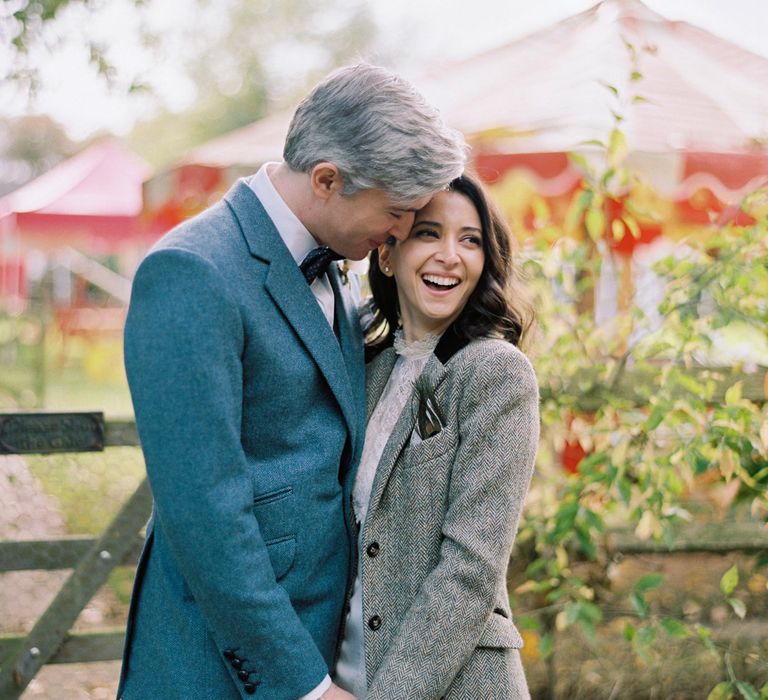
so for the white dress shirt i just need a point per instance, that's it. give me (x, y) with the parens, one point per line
(295, 235)
(299, 242)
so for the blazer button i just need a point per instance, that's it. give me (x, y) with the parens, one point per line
(373, 549)
(374, 623)
(237, 663)
(243, 675)
(229, 654)
(250, 688)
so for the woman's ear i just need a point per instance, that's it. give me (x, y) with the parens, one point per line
(385, 259)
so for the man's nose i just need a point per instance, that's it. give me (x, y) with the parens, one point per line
(402, 226)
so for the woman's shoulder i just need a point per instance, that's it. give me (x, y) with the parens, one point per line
(493, 364)
(493, 351)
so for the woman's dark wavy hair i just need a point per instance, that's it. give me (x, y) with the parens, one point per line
(498, 307)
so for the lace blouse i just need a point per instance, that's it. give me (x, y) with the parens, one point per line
(411, 359)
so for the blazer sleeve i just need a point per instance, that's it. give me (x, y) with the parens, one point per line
(490, 475)
(184, 340)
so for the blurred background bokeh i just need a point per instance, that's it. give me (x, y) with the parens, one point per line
(626, 142)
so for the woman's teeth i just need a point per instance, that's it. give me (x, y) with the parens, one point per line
(440, 282)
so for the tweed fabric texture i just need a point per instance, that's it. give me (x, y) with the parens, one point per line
(445, 513)
(251, 416)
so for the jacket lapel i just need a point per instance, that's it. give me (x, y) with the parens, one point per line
(434, 372)
(377, 374)
(290, 292)
(351, 341)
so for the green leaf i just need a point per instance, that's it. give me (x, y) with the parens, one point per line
(639, 603)
(585, 542)
(730, 580)
(617, 147)
(649, 581)
(722, 691)
(657, 415)
(674, 628)
(705, 637)
(738, 607)
(636, 75)
(629, 631)
(764, 692)
(588, 628)
(747, 690)
(595, 223)
(590, 611)
(572, 613)
(591, 142)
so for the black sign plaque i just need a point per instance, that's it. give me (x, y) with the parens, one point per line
(43, 433)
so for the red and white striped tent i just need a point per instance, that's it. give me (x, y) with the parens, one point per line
(699, 136)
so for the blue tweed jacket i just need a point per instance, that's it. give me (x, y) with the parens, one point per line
(251, 416)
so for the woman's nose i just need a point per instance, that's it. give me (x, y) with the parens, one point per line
(448, 254)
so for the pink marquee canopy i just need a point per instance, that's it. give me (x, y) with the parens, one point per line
(93, 199)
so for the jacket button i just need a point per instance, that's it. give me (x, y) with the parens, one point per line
(373, 549)
(374, 623)
(250, 688)
(237, 663)
(229, 654)
(243, 675)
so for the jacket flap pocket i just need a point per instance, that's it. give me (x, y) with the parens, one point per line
(500, 632)
(275, 513)
(282, 552)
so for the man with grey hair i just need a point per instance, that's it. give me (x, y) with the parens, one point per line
(245, 363)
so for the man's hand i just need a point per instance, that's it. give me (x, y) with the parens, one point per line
(336, 693)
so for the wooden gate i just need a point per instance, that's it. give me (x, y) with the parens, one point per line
(91, 559)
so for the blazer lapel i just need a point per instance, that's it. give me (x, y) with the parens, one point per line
(351, 341)
(377, 374)
(433, 373)
(290, 292)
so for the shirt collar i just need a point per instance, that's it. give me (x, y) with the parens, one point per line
(295, 235)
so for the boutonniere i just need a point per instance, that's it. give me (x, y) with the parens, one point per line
(429, 422)
(344, 267)
(352, 270)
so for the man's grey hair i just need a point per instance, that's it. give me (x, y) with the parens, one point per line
(379, 131)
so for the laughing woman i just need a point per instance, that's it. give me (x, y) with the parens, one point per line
(449, 450)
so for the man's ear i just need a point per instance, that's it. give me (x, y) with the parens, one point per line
(325, 180)
(385, 260)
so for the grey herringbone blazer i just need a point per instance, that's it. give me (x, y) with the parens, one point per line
(440, 528)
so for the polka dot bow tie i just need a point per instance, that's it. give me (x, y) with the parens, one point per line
(317, 261)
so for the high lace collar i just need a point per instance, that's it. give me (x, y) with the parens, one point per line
(416, 349)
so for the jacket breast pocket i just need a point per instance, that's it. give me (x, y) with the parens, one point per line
(419, 453)
(275, 513)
